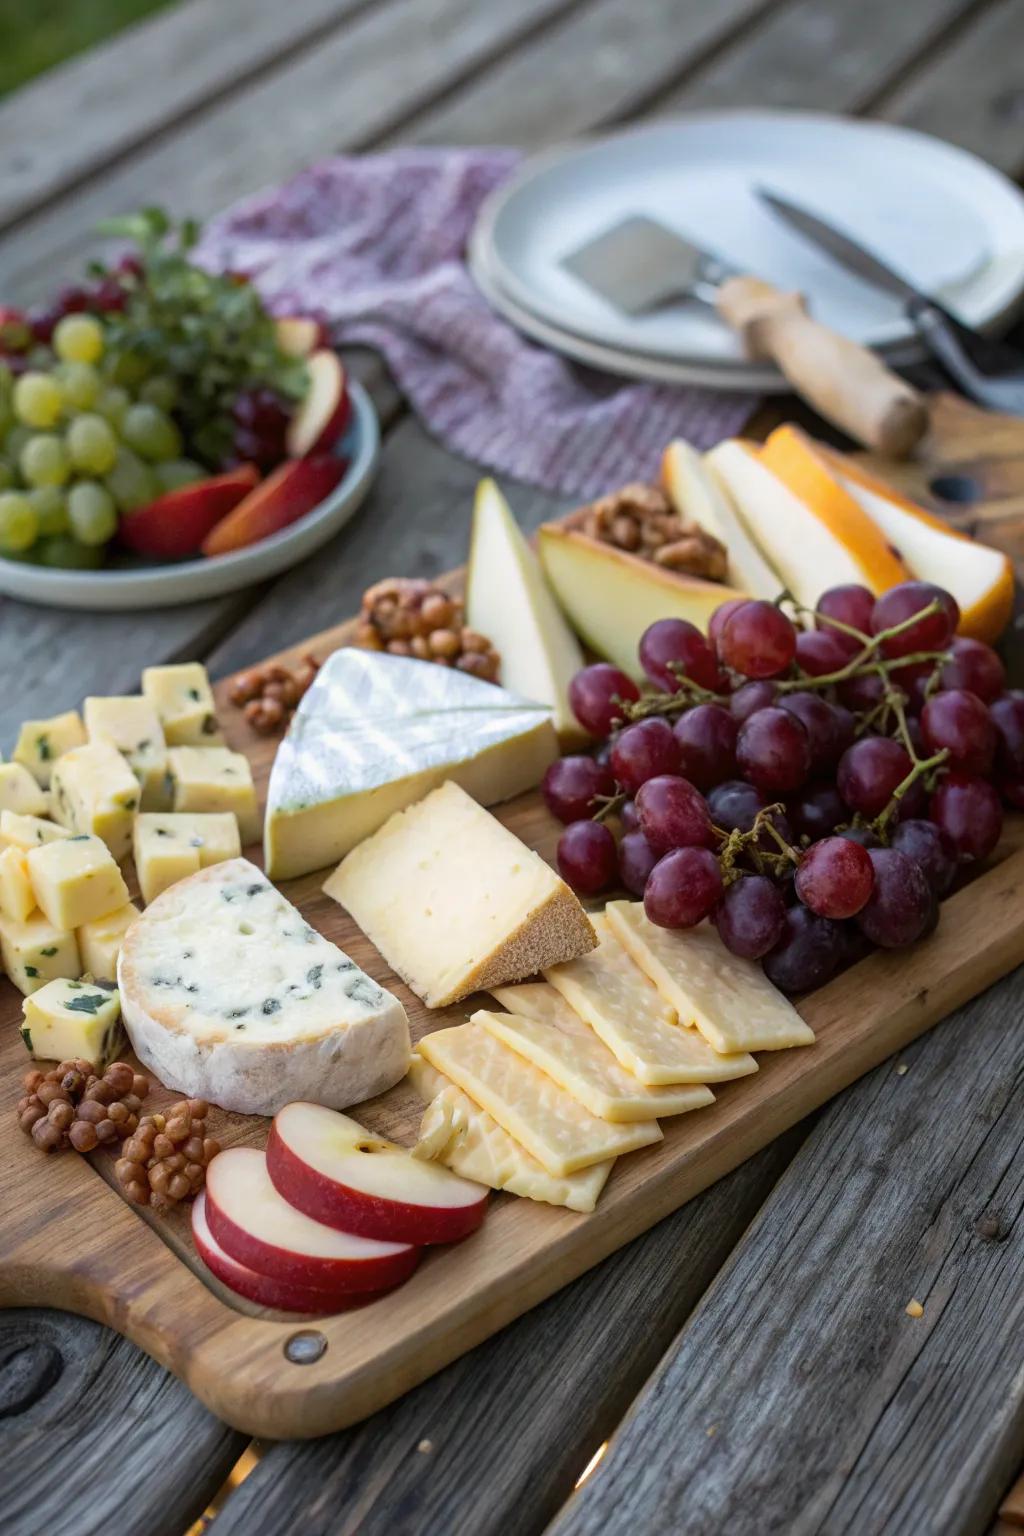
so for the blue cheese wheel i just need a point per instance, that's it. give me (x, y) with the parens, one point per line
(228, 994)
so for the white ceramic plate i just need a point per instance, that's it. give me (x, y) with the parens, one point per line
(949, 222)
(188, 581)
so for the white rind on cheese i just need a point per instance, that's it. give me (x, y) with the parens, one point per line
(229, 995)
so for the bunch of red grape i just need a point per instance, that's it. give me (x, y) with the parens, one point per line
(811, 790)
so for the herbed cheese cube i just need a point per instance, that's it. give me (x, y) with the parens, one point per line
(17, 899)
(130, 722)
(41, 742)
(35, 952)
(27, 832)
(215, 779)
(183, 700)
(95, 791)
(76, 881)
(19, 791)
(169, 847)
(99, 942)
(69, 1019)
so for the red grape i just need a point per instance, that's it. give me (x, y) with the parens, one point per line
(816, 811)
(773, 751)
(73, 300)
(751, 916)
(974, 665)
(677, 641)
(752, 696)
(572, 784)
(757, 640)
(846, 727)
(900, 904)
(596, 695)
(901, 603)
(707, 739)
(819, 652)
(673, 814)
(636, 860)
(819, 720)
(1011, 787)
(734, 807)
(683, 888)
(968, 811)
(959, 722)
(1007, 715)
(862, 693)
(869, 772)
(643, 751)
(721, 617)
(109, 297)
(807, 955)
(862, 835)
(587, 857)
(628, 816)
(835, 877)
(931, 849)
(852, 605)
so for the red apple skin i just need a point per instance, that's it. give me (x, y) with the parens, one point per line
(263, 1289)
(336, 426)
(176, 524)
(353, 1210)
(322, 416)
(292, 490)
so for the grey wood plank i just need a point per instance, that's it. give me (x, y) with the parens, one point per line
(801, 1397)
(108, 101)
(494, 1443)
(95, 1438)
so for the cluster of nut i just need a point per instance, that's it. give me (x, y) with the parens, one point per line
(166, 1159)
(70, 1106)
(410, 617)
(641, 519)
(269, 694)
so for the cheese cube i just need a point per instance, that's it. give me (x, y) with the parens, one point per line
(215, 779)
(16, 896)
(99, 942)
(183, 700)
(27, 832)
(95, 791)
(41, 742)
(169, 847)
(19, 791)
(131, 724)
(35, 952)
(76, 881)
(69, 1019)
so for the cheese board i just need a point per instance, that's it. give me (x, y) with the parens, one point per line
(70, 1239)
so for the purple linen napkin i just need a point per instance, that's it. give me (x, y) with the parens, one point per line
(376, 245)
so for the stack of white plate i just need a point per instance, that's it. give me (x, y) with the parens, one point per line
(952, 225)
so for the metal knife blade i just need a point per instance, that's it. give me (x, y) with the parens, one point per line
(639, 265)
(846, 251)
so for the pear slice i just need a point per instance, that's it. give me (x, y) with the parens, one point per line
(700, 496)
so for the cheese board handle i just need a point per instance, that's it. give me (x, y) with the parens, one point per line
(842, 380)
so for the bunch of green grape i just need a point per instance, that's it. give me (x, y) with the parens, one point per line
(82, 443)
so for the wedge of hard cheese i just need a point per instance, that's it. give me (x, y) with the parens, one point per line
(229, 995)
(456, 903)
(542, 1117)
(541, 1027)
(464, 1137)
(637, 1023)
(731, 1001)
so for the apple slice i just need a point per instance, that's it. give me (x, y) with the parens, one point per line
(176, 524)
(258, 1228)
(299, 335)
(698, 495)
(323, 413)
(292, 490)
(268, 1292)
(331, 1168)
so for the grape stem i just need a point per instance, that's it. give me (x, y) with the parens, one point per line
(920, 765)
(736, 843)
(608, 805)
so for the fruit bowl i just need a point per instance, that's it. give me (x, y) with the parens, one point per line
(135, 585)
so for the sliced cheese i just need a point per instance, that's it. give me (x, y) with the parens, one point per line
(730, 1000)
(214, 780)
(566, 1048)
(99, 942)
(27, 832)
(95, 791)
(76, 880)
(700, 497)
(17, 898)
(183, 700)
(542, 1117)
(41, 742)
(637, 1024)
(376, 733)
(65, 1020)
(35, 952)
(455, 902)
(464, 1137)
(131, 724)
(20, 793)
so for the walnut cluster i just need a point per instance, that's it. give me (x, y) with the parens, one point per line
(641, 519)
(165, 1161)
(410, 617)
(70, 1106)
(268, 695)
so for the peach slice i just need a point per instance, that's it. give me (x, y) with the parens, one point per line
(323, 413)
(292, 490)
(300, 335)
(332, 1169)
(176, 524)
(282, 1294)
(258, 1228)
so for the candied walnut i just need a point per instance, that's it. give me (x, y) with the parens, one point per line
(642, 520)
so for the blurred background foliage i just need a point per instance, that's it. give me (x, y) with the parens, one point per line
(37, 34)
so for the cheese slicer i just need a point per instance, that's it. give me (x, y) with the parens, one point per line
(640, 266)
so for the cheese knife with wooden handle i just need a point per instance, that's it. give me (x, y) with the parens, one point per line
(639, 265)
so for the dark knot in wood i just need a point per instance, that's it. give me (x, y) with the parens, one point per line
(991, 1227)
(27, 1373)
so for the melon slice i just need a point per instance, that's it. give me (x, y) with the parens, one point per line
(700, 496)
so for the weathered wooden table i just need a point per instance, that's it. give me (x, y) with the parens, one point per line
(750, 1359)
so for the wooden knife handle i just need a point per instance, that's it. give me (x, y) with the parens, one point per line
(845, 382)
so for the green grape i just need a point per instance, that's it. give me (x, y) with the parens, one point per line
(63, 552)
(80, 383)
(131, 482)
(151, 432)
(18, 522)
(38, 400)
(127, 369)
(6, 403)
(44, 460)
(174, 473)
(51, 506)
(7, 475)
(92, 444)
(15, 441)
(40, 358)
(160, 391)
(92, 513)
(112, 402)
(78, 339)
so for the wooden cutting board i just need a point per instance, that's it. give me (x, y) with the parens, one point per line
(68, 1239)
